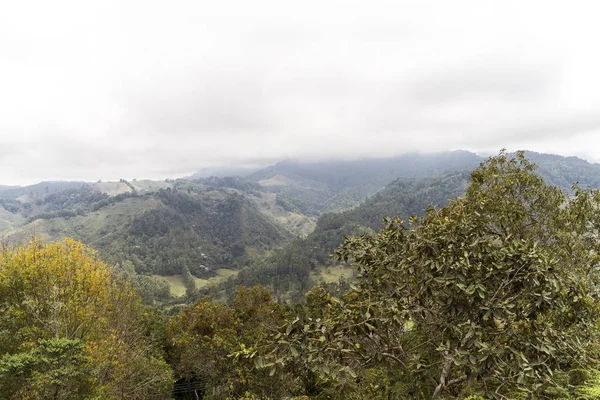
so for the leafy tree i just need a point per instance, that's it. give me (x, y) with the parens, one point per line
(206, 333)
(188, 281)
(51, 368)
(69, 331)
(493, 294)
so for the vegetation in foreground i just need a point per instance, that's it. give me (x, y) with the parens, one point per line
(69, 330)
(495, 295)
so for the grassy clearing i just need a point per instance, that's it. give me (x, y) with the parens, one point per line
(298, 224)
(175, 284)
(178, 288)
(9, 220)
(332, 274)
(86, 228)
(146, 185)
(222, 275)
(278, 180)
(111, 188)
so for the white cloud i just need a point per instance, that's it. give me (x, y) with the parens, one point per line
(147, 88)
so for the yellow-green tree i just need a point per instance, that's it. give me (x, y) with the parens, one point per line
(68, 330)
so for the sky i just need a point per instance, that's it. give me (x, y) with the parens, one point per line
(156, 89)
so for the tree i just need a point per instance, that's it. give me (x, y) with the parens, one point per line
(52, 368)
(188, 281)
(494, 293)
(69, 331)
(205, 334)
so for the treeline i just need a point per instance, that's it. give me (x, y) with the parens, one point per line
(69, 203)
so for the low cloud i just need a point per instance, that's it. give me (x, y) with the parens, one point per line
(140, 89)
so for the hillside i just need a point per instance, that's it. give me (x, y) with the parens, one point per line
(293, 268)
(313, 188)
(565, 171)
(202, 226)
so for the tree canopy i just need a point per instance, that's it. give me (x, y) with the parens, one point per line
(494, 294)
(69, 330)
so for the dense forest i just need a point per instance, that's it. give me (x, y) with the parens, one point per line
(469, 284)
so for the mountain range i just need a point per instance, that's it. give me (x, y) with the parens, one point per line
(277, 225)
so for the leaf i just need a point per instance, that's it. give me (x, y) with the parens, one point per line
(294, 351)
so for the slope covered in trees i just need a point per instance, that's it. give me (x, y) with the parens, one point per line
(201, 226)
(317, 187)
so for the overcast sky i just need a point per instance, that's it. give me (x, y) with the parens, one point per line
(124, 89)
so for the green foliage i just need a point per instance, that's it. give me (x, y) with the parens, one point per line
(49, 368)
(69, 330)
(497, 290)
(206, 333)
(493, 295)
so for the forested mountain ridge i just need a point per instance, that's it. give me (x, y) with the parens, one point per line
(317, 187)
(292, 269)
(313, 188)
(565, 171)
(202, 225)
(197, 226)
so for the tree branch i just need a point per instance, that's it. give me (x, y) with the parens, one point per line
(442, 383)
(399, 361)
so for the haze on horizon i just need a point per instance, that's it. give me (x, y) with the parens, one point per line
(149, 89)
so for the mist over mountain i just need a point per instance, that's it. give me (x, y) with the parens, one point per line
(317, 187)
(221, 172)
